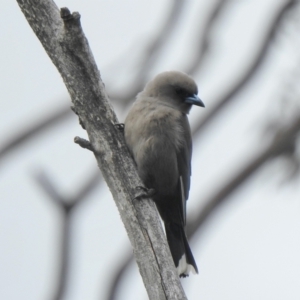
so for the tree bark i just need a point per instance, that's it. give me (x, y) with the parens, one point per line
(66, 45)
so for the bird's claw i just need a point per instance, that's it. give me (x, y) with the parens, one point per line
(143, 192)
(120, 126)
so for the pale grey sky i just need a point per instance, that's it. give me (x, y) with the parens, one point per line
(249, 250)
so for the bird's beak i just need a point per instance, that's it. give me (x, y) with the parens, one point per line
(195, 100)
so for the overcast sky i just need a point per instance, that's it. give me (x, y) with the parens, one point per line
(248, 250)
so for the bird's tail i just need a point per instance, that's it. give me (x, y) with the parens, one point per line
(180, 250)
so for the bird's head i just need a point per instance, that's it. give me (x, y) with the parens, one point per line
(175, 89)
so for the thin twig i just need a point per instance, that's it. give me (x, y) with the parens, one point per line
(65, 233)
(117, 276)
(205, 36)
(83, 143)
(283, 143)
(151, 52)
(25, 135)
(66, 206)
(251, 69)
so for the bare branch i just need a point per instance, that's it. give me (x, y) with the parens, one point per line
(68, 49)
(48, 187)
(91, 183)
(250, 70)
(83, 143)
(65, 233)
(118, 275)
(35, 129)
(151, 52)
(204, 39)
(283, 143)
(66, 206)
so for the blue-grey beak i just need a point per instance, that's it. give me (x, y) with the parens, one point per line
(195, 100)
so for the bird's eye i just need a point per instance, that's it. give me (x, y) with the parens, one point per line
(181, 92)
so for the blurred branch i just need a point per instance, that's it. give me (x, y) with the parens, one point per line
(35, 129)
(66, 205)
(93, 181)
(118, 275)
(154, 47)
(151, 52)
(204, 38)
(284, 142)
(250, 70)
(203, 47)
(64, 41)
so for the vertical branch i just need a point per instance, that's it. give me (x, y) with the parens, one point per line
(118, 275)
(64, 253)
(66, 206)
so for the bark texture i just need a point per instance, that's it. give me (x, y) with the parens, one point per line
(62, 37)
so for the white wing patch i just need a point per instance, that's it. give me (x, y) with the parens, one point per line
(183, 202)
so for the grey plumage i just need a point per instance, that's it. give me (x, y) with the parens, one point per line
(158, 136)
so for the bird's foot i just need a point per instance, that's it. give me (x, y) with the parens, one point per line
(143, 192)
(120, 126)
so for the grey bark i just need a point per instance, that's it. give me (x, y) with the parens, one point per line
(68, 49)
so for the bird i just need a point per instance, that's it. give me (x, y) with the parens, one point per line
(158, 136)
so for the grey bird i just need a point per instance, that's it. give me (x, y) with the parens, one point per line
(158, 135)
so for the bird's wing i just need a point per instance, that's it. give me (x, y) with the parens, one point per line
(184, 155)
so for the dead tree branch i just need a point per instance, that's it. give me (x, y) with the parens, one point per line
(66, 45)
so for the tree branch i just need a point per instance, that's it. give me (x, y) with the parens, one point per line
(83, 143)
(283, 143)
(35, 129)
(204, 38)
(66, 206)
(250, 70)
(118, 275)
(151, 53)
(68, 49)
